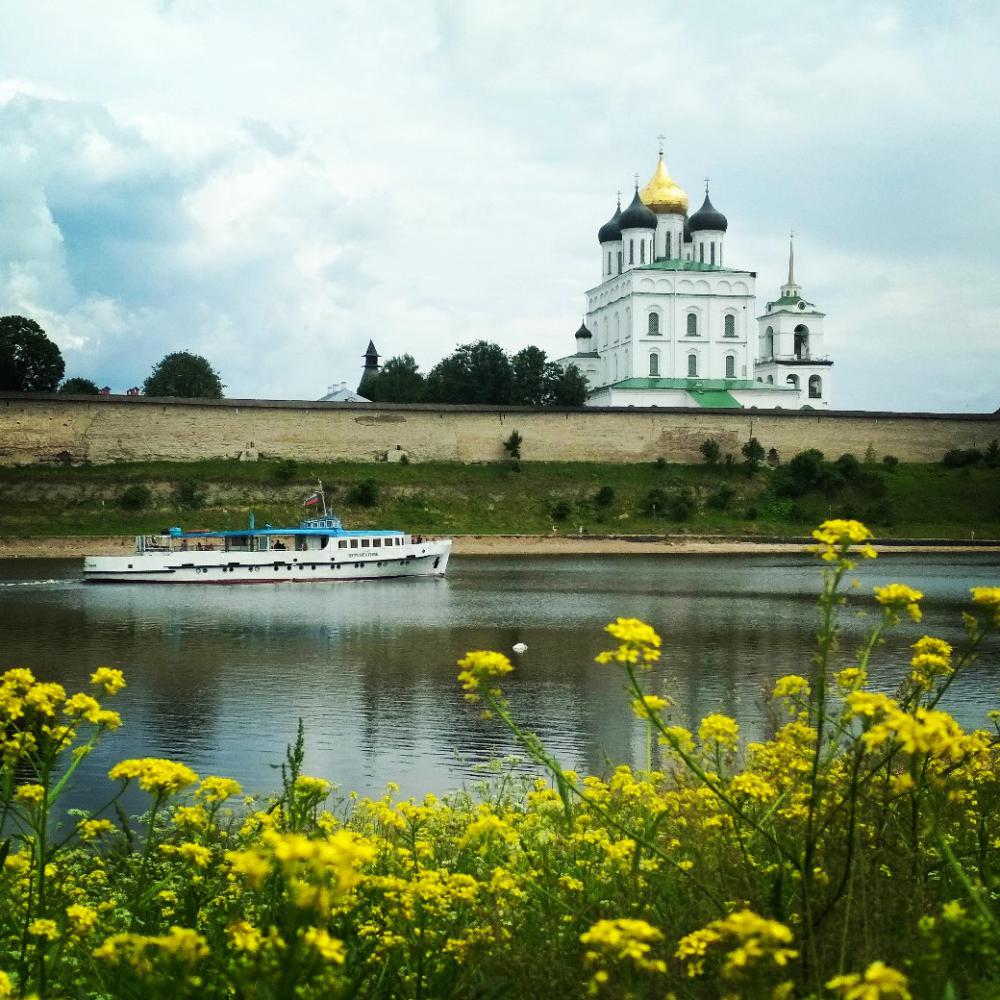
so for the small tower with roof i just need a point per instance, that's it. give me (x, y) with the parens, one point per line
(371, 360)
(610, 238)
(790, 343)
(638, 226)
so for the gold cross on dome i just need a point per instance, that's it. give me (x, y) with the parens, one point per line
(662, 139)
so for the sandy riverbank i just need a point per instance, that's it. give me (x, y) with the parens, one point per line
(501, 545)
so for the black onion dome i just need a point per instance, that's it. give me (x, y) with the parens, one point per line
(708, 217)
(637, 216)
(611, 231)
(583, 331)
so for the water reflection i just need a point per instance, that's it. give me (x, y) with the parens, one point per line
(218, 676)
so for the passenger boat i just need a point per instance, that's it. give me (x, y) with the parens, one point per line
(319, 549)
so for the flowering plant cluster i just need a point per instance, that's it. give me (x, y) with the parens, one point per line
(853, 854)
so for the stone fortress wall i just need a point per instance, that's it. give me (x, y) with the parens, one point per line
(43, 428)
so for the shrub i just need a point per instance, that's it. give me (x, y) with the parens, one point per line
(992, 455)
(286, 470)
(710, 450)
(654, 503)
(956, 458)
(560, 510)
(605, 496)
(135, 497)
(848, 466)
(721, 497)
(660, 463)
(187, 496)
(363, 494)
(890, 462)
(513, 445)
(753, 453)
(682, 504)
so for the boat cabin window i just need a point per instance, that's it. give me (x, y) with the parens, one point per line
(365, 543)
(354, 543)
(377, 543)
(342, 544)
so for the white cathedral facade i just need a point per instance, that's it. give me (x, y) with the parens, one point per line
(671, 324)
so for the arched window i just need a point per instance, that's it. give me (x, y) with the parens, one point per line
(666, 247)
(692, 366)
(692, 325)
(654, 364)
(631, 251)
(729, 325)
(802, 342)
(642, 251)
(654, 325)
(619, 262)
(618, 328)
(815, 387)
(711, 247)
(730, 366)
(793, 381)
(770, 380)
(769, 342)
(701, 253)
(609, 262)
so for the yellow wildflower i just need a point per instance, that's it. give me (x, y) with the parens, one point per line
(328, 947)
(44, 928)
(835, 538)
(82, 918)
(108, 678)
(309, 787)
(245, 937)
(989, 598)
(791, 686)
(31, 794)
(253, 866)
(879, 982)
(639, 643)
(953, 911)
(624, 939)
(482, 667)
(214, 789)
(197, 854)
(851, 678)
(6, 987)
(896, 597)
(194, 817)
(720, 729)
(91, 828)
(649, 703)
(155, 774)
(753, 786)
(183, 943)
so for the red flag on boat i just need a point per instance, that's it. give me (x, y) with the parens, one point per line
(314, 499)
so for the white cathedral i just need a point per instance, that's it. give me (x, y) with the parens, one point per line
(670, 324)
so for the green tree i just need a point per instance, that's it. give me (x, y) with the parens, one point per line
(399, 381)
(184, 375)
(532, 378)
(475, 373)
(81, 386)
(753, 453)
(570, 387)
(710, 450)
(29, 361)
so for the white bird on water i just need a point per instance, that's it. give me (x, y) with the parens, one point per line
(519, 647)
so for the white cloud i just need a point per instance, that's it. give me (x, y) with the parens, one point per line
(275, 186)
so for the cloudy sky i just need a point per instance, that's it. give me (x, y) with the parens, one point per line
(272, 185)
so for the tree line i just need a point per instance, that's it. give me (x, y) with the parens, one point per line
(31, 362)
(481, 373)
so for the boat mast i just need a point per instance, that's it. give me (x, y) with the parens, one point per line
(322, 497)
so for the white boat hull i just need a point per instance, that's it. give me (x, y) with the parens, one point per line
(276, 566)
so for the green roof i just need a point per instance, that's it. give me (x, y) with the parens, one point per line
(790, 300)
(715, 398)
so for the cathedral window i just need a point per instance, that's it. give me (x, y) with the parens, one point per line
(631, 251)
(692, 366)
(654, 365)
(654, 325)
(609, 263)
(642, 251)
(692, 325)
(770, 380)
(730, 366)
(701, 253)
(619, 262)
(793, 381)
(769, 342)
(711, 247)
(729, 324)
(666, 247)
(815, 387)
(801, 341)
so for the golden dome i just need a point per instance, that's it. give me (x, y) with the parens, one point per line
(663, 194)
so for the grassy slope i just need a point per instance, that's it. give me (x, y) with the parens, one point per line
(923, 500)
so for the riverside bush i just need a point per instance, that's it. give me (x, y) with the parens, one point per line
(852, 854)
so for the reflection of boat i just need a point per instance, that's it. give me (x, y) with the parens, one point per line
(319, 549)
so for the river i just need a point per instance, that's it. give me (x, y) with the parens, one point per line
(219, 676)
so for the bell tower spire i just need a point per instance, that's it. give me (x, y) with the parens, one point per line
(789, 289)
